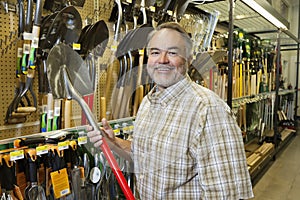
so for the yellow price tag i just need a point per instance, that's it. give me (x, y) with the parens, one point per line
(131, 127)
(170, 12)
(117, 131)
(63, 145)
(41, 150)
(141, 51)
(126, 129)
(76, 46)
(152, 8)
(16, 155)
(82, 140)
(113, 47)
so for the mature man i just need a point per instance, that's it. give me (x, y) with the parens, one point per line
(186, 142)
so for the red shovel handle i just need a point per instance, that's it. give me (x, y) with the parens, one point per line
(116, 170)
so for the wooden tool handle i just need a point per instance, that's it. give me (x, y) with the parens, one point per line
(102, 108)
(68, 112)
(28, 109)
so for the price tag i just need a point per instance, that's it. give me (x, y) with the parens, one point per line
(152, 8)
(131, 127)
(16, 155)
(63, 145)
(60, 183)
(82, 140)
(35, 42)
(40, 150)
(170, 12)
(26, 48)
(113, 47)
(76, 46)
(50, 114)
(117, 131)
(45, 108)
(27, 36)
(20, 52)
(57, 111)
(126, 129)
(141, 51)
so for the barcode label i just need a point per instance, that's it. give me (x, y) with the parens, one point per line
(20, 52)
(35, 43)
(50, 114)
(26, 48)
(57, 111)
(64, 192)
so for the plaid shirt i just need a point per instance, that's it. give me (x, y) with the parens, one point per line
(187, 145)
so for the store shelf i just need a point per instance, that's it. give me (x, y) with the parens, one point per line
(259, 157)
(286, 136)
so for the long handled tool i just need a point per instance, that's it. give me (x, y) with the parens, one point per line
(28, 66)
(67, 71)
(93, 42)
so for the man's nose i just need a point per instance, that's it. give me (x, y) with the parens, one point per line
(163, 58)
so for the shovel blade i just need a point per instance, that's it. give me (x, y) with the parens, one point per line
(62, 56)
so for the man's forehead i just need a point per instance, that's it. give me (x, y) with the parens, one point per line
(166, 38)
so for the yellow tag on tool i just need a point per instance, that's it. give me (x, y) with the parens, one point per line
(60, 183)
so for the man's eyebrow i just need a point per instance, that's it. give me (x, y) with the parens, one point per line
(156, 48)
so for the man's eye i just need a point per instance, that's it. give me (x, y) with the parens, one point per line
(172, 53)
(154, 53)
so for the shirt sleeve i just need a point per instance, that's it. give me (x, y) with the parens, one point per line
(220, 154)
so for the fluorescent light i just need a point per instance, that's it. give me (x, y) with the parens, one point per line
(266, 14)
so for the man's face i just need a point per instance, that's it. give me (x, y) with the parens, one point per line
(167, 62)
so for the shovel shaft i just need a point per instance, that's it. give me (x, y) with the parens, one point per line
(116, 170)
(71, 92)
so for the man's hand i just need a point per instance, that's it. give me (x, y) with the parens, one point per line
(118, 145)
(96, 137)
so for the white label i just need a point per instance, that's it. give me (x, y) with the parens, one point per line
(57, 111)
(20, 52)
(50, 114)
(35, 43)
(26, 48)
(64, 192)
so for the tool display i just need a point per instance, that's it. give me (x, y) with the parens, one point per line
(67, 53)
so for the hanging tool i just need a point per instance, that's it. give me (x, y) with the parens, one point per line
(29, 52)
(93, 42)
(34, 191)
(113, 62)
(66, 65)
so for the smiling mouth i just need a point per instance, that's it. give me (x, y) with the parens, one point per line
(163, 69)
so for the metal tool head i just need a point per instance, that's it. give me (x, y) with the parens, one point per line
(134, 40)
(63, 58)
(97, 38)
(66, 27)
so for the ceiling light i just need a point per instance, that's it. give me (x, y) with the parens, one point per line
(268, 12)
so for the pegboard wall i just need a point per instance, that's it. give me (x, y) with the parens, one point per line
(8, 53)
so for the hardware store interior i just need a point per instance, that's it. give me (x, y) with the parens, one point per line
(245, 51)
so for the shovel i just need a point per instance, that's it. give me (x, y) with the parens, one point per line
(93, 43)
(67, 71)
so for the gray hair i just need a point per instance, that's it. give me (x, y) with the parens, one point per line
(176, 27)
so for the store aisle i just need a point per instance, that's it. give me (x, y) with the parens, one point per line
(281, 181)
